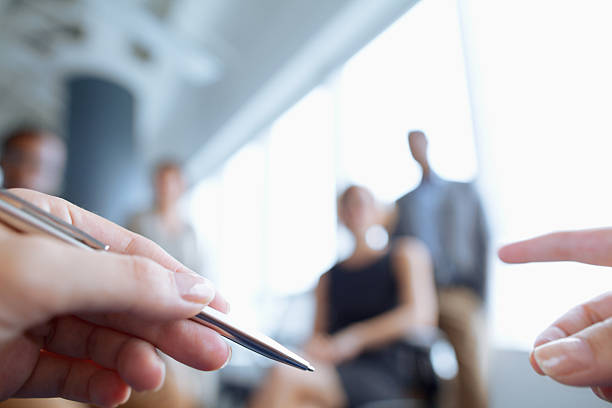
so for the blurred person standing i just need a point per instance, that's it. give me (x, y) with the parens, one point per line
(166, 225)
(448, 217)
(33, 158)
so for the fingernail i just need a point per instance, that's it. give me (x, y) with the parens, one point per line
(162, 367)
(229, 356)
(551, 334)
(194, 288)
(534, 364)
(126, 398)
(564, 357)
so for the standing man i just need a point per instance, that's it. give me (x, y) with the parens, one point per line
(448, 217)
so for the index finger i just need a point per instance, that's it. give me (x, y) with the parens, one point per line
(589, 246)
(118, 238)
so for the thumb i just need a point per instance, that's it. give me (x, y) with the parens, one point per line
(583, 359)
(61, 279)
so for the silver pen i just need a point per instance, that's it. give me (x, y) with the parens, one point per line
(25, 217)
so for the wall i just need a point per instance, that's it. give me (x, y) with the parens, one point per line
(514, 384)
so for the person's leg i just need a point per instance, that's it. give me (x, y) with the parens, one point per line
(461, 320)
(289, 387)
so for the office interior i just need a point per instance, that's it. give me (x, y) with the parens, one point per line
(273, 107)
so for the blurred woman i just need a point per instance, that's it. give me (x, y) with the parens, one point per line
(365, 305)
(166, 225)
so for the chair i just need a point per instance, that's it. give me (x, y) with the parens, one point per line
(436, 360)
(436, 368)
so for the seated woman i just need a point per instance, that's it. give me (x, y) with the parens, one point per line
(365, 305)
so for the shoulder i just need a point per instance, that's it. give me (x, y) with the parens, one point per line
(406, 197)
(139, 219)
(462, 186)
(466, 190)
(323, 283)
(325, 277)
(408, 249)
(404, 203)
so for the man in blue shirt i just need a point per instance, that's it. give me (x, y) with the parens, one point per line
(448, 217)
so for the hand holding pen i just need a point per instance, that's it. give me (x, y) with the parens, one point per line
(84, 325)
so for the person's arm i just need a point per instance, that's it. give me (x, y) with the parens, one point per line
(482, 246)
(319, 345)
(577, 348)
(321, 321)
(85, 325)
(417, 306)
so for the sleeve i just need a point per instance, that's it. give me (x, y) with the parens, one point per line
(482, 246)
(401, 225)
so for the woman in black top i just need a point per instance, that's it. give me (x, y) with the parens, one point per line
(364, 306)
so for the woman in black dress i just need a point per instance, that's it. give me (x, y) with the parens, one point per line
(364, 306)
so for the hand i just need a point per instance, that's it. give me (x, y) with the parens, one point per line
(333, 349)
(84, 325)
(320, 348)
(346, 344)
(577, 348)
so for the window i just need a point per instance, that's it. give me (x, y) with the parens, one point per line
(269, 215)
(541, 84)
(540, 89)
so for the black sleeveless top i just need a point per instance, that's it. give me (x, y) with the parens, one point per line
(382, 373)
(361, 293)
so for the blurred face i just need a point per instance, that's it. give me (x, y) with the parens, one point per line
(36, 161)
(357, 210)
(169, 186)
(418, 146)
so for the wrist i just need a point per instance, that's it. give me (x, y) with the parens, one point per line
(359, 333)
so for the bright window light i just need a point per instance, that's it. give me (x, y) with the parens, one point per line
(411, 77)
(269, 215)
(542, 90)
(530, 79)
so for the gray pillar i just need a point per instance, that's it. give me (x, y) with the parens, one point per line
(104, 173)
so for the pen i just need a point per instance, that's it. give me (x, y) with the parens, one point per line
(24, 217)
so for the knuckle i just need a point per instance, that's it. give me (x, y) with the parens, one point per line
(600, 341)
(148, 274)
(590, 313)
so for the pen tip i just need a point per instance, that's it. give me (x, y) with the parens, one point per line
(310, 368)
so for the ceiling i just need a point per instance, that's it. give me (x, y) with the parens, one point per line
(206, 74)
(151, 47)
